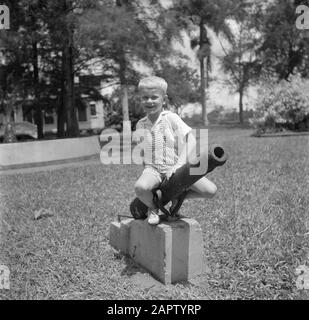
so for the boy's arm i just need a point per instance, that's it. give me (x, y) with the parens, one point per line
(185, 154)
(187, 149)
(185, 133)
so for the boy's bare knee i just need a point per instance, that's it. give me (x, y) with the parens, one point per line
(140, 188)
(212, 190)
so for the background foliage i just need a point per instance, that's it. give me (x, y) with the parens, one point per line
(283, 105)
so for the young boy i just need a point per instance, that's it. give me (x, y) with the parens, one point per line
(166, 146)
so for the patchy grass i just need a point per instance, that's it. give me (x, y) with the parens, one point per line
(255, 230)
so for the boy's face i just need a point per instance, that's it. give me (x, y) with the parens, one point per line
(152, 100)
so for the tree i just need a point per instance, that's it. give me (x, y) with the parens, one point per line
(62, 25)
(189, 15)
(9, 95)
(123, 36)
(11, 69)
(284, 49)
(182, 83)
(14, 72)
(53, 41)
(240, 61)
(62, 20)
(34, 33)
(28, 44)
(22, 42)
(10, 89)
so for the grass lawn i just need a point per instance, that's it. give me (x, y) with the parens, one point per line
(256, 229)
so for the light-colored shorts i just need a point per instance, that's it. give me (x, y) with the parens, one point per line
(154, 172)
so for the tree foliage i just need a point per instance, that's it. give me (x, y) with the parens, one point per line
(284, 49)
(199, 15)
(182, 82)
(240, 60)
(51, 42)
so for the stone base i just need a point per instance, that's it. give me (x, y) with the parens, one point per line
(171, 251)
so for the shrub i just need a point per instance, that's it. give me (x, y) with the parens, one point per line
(283, 105)
(114, 119)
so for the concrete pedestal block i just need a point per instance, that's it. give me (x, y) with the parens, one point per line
(170, 251)
(119, 235)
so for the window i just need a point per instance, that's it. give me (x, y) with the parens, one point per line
(93, 110)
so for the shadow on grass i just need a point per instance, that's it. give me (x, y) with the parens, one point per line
(131, 266)
(144, 279)
(139, 276)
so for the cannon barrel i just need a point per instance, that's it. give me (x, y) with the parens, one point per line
(182, 179)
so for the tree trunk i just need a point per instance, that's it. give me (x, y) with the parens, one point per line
(207, 73)
(203, 77)
(123, 81)
(71, 118)
(124, 92)
(203, 92)
(61, 119)
(36, 83)
(61, 114)
(241, 113)
(125, 109)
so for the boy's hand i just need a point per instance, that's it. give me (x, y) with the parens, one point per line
(172, 171)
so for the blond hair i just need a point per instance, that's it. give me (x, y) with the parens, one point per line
(153, 82)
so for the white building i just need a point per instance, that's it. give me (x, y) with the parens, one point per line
(90, 109)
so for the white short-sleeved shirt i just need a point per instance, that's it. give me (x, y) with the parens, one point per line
(163, 140)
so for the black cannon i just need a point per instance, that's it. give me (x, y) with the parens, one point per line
(180, 181)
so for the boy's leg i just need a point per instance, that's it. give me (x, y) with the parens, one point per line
(144, 186)
(202, 188)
